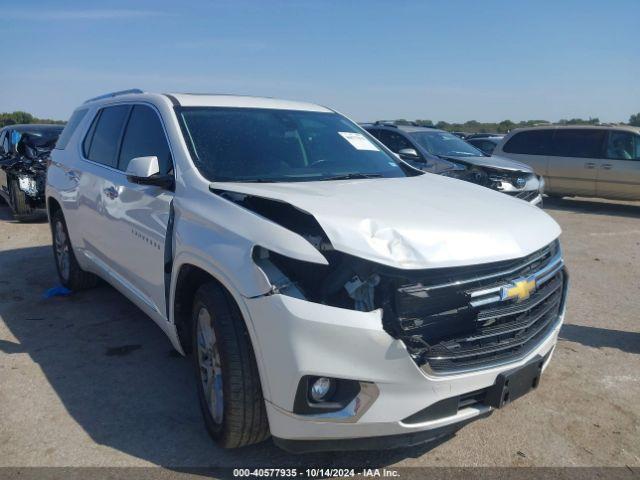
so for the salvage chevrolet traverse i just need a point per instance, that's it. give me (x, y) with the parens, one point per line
(331, 295)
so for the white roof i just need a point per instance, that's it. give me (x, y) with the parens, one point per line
(242, 101)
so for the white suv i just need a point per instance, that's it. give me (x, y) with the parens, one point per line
(333, 296)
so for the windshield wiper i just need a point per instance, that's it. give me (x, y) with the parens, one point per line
(353, 176)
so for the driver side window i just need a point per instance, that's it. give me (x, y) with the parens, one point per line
(394, 141)
(623, 146)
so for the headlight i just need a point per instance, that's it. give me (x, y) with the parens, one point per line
(347, 282)
(28, 185)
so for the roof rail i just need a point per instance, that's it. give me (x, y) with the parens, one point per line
(386, 123)
(114, 94)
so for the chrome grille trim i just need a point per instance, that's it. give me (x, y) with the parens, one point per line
(475, 326)
(491, 276)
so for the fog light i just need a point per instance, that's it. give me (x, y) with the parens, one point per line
(320, 389)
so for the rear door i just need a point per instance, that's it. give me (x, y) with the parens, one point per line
(136, 216)
(619, 172)
(574, 160)
(100, 159)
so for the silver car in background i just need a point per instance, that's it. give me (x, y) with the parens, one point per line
(589, 161)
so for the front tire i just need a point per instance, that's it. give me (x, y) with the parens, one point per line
(69, 272)
(22, 211)
(227, 376)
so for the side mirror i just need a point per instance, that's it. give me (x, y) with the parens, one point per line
(146, 171)
(409, 152)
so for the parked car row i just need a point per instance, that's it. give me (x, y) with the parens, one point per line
(334, 293)
(333, 296)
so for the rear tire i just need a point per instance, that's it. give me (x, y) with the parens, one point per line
(69, 272)
(226, 372)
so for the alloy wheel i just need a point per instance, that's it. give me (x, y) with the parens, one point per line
(61, 243)
(210, 366)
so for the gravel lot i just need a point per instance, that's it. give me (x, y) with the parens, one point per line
(88, 380)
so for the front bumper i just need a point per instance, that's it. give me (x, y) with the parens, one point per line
(297, 338)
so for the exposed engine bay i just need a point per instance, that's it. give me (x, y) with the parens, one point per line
(496, 179)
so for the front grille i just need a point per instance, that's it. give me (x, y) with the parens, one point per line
(456, 319)
(526, 195)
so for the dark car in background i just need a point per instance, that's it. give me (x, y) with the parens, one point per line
(24, 153)
(486, 144)
(441, 152)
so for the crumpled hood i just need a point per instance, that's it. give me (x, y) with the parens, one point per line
(493, 162)
(427, 221)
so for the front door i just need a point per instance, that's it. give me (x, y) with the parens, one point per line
(619, 172)
(138, 215)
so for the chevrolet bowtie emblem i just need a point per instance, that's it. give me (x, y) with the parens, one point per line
(520, 289)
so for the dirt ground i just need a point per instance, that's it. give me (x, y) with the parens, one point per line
(88, 380)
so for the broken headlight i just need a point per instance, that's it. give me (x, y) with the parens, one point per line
(346, 282)
(28, 185)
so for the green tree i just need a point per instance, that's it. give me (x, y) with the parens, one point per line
(19, 117)
(635, 120)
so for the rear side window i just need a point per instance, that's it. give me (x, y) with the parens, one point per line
(584, 143)
(531, 142)
(101, 143)
(145, 137)
(69, 128)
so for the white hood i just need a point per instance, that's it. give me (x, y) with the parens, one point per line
(428, 221)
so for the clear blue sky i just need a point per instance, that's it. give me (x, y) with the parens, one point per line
(438, 60)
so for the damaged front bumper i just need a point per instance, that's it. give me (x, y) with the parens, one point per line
(297, 338)
(28, 180)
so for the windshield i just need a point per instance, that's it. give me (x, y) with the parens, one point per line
(267, 145)
(445, 144)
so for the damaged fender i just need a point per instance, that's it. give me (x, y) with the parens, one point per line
(201, 237)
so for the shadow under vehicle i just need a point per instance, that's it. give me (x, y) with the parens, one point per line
(24, 153)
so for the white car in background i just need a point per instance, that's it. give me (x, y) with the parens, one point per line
(273, 240)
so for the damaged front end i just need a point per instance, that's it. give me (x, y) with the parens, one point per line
(450, 319)
(25, 172)
(520, 184)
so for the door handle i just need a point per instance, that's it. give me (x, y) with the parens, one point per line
(73, 176)
(607, 166)
(111, 192)
(590, 165)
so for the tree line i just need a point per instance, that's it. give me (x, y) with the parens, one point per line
(473, 126)
(17, 118)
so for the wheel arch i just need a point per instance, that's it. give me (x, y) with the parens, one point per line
(52, 206)
(188, 277)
